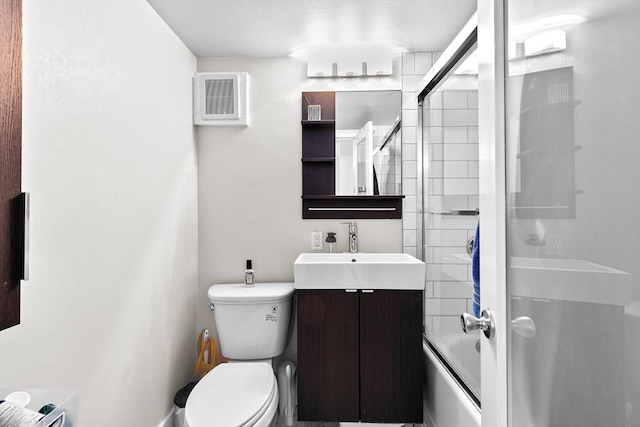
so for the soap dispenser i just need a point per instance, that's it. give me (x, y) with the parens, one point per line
(249, 277)
(331, 241)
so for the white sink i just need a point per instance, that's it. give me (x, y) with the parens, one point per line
(358, 271)
(569, 280)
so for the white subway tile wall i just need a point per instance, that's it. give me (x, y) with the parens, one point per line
(423, 63)
(450, 180)
(414, 67)
(452, 171)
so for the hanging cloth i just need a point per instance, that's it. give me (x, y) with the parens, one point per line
(475, 270)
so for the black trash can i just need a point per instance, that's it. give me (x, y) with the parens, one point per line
(180, 401)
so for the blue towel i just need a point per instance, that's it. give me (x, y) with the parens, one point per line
(475, 271)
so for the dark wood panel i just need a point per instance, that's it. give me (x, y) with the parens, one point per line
(391, 365)
(319, 160)
(318, 123)
(327, 101)
(318, 142)
(10, 153)
(318, 178)
(352, 207)
(328, 346)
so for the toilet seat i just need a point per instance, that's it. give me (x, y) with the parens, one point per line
(234, 394)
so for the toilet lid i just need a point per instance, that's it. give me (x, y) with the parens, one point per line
(230, 395)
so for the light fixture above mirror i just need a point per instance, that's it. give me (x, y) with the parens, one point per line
(353, 59)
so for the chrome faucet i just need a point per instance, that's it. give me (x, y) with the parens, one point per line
(353, 236)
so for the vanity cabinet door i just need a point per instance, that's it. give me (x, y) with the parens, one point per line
(10, 156)
(391, 361)
(328, 355)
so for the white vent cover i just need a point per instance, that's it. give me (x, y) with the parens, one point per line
(220, 99)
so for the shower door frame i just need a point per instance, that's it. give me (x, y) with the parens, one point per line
(486, 30)
(490, 24)
(435, 82)
(492, 201)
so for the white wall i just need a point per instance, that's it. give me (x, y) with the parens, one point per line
(250, 180)
(110, 161)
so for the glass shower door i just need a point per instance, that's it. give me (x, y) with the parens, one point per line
(572, 103)
(450, 196)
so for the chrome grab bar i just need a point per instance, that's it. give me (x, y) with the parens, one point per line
(457, 212)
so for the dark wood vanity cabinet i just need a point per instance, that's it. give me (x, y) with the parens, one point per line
(328, 355)
(360, 355)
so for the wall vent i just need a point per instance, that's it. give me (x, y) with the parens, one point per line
(220, 99)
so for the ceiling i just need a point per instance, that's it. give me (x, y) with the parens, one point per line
(355, 108)
(277, 28)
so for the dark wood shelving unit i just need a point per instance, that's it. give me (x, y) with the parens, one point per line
(547, 145)
(318, 144)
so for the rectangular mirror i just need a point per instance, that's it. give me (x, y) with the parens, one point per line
(351, 154)
(368, 143)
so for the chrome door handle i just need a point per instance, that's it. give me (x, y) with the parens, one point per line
(524, 326)
(485, 323)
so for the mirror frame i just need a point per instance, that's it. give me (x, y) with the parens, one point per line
(318, 170)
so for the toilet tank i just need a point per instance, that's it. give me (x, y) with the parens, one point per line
(253, 322)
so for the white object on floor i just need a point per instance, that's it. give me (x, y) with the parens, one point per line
(20, 398)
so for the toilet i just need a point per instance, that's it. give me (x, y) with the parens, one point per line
(253, 326)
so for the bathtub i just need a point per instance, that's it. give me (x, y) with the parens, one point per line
(446, 404)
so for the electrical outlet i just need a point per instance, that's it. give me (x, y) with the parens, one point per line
(316, 240)
(554, 243)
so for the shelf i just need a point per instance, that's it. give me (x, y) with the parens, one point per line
(556, 106)
(318, 123)
(457, 212)
(351, 207)
(549, 150)
(354, 197)
(318, 160)
(327, 102)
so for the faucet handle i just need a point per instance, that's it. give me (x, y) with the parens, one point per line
(353, 235)
(351, 224)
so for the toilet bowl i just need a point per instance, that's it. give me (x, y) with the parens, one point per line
(234, 394)
(253, 325)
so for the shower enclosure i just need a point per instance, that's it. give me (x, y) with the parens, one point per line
(449, 127)
(546, 151)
